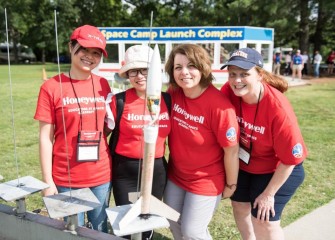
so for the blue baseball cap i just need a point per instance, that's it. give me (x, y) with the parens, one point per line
(245, 58)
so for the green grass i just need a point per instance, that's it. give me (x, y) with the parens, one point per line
(314, 106)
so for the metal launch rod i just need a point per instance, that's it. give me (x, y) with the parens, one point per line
(63, 118)
(12, 103)
(144, 108)
(21, 187)
(20, 203)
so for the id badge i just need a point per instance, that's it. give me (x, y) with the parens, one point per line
(244, 154)
(88, 146)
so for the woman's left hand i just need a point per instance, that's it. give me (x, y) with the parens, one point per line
(228, 192)
(265, 203)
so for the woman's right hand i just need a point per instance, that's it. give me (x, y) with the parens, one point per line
(51, 190)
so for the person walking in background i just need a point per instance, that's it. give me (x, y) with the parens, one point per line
(203, 161)
(71, 111)
(331, 62)
(288, 60)
(317, 61)
(272, 149)
(304, 57)
(276, 62)
(128, 151)
(297, 65)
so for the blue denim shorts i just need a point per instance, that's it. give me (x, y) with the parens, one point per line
(250, 186)
(98, 216)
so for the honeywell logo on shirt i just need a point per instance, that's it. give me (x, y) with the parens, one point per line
(82, 100)
(136, 117)
(246, 125)
(198, 119)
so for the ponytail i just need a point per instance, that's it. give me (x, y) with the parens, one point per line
(274, 80)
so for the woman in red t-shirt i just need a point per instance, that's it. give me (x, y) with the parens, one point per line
(128, 152)
(331, 62)
(71, 111)
(271, 146)
(203, 161)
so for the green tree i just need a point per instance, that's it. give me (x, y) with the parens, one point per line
(99, 13)
(323, 37)
(303, 33)
(16, 22)
(43, 23)
(139, 13)
(303, 24)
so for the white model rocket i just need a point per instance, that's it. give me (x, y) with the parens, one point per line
(147, 204)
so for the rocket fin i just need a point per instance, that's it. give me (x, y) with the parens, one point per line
(159, 208)
(133, 212)
(133, 196)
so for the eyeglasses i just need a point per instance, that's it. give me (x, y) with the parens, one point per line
(134, 72)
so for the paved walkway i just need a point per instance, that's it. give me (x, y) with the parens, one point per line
(316, 225)
(296, 82)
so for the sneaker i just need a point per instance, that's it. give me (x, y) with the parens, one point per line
(89, 225)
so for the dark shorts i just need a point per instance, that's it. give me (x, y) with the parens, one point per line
(126, 178)
(250, 186)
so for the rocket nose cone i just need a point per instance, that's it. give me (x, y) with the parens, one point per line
(156, 57)
(154, 81)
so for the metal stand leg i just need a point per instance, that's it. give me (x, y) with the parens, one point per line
(136, 236)
(72, 223)
(20, 207)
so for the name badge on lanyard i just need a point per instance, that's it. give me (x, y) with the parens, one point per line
(88, 146)
(244, 154)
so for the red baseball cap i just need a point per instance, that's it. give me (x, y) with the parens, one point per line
(90, 37)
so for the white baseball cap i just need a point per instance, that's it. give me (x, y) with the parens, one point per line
(137, 56)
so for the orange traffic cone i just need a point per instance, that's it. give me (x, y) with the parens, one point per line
(44, 75)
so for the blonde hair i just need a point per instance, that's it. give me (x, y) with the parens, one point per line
(274, 80)
(196, 55)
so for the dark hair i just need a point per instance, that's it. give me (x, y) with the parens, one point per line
(274, 80)
(73, 44)
(196, 55)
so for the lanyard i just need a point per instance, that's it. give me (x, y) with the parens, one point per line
(253, 124)
(95, 104)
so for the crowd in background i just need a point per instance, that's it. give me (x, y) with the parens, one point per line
(302, 65)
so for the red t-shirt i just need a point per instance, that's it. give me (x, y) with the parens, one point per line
(201, 127)
(49, 110)
(276, 137)
(331, 58)
(130, 143)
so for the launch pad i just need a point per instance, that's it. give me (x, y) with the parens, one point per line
(138, 225)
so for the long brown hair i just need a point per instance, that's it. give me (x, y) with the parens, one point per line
(274, 80)
(196, 55)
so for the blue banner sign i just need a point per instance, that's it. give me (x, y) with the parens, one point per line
(178, 34)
